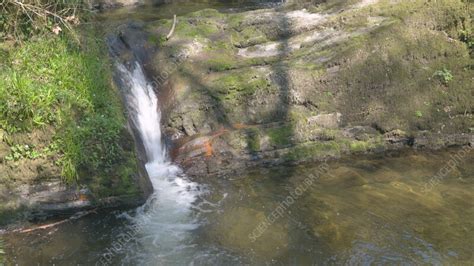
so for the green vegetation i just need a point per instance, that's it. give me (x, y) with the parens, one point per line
(221, 63)
(22, 151)
(281, 136)
(467, 36)
(444, 75)
(253, 139)
(196, 28)
(316, 150)
(53, 83)
(248, 36)
(237, 87)
(21, 20)
(60, 116)
(365, 146)
(157, 40)
(410, 58)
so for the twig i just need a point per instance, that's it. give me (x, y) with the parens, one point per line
(172, 28)
(46, 226)
(43, 12)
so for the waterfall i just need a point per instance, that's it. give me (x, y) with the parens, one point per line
(145, 113)
(166, 219)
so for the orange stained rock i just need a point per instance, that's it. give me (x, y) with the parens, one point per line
(240, 126)
(83, 197)
(208, 148)
(219, 132)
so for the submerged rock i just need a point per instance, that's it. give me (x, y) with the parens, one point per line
(235, 229)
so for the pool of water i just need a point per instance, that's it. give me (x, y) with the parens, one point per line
(406, 208)
(150, 11)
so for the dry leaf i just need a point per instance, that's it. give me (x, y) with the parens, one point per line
(56, 29)
(72, 19)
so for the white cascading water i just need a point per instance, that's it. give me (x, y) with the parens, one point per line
(166, 220)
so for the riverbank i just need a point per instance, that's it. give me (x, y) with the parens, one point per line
(65, 143)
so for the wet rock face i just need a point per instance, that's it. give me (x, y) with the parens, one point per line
(293, 84)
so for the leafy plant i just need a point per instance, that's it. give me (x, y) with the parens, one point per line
(467, 37)
(419, 114)
(18, 152)
(444, 75)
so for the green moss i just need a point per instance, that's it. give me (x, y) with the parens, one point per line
(366, 146)
(281, 136)
(235, 20)
(394, 83)
(221, 62)
(253, 139)
(224, 45)
(196, 28)
(359, 146)
(334, 147)
(329, 134)
(238, 86)
(157, 40)
(315, 150)
(124, 185)
(250, 35)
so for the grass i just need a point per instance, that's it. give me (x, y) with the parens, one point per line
(21, 20)
(52, 82)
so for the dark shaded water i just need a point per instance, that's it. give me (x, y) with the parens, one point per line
(377, 210)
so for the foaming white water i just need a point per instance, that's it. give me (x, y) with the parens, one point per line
(144, 110)
(165, 221)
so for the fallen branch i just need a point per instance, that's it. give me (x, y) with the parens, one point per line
(172, 28)
(46, 226)
(37, 13)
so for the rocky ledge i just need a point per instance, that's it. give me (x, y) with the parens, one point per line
(301, 83)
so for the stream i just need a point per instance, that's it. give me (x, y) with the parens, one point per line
(365, 210)
(404, 208)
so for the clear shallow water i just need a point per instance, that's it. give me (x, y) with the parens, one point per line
(149, 11)
(364, 210)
